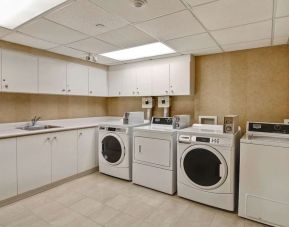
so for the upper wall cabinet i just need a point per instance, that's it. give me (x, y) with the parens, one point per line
(52, 76)
(170, 76)
(77, 79)
(97, 82)
(182, 75)
(19, 72)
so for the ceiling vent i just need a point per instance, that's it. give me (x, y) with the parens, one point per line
(138, 3)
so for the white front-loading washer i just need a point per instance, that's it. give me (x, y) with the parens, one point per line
(264, 174)
(115, 148)
(207, 160)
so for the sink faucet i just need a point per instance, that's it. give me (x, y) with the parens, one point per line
(34, 120)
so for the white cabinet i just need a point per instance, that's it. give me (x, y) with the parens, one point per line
(160, 78)
(181, 80)
(129, 81)
(52, 76)
(86, 149)
(63, 154)
(144, 80)
(8, 174)
(33, 162)
(97, 82)
(0, 70)
(77, 79)
(115, 79)
(19, 72)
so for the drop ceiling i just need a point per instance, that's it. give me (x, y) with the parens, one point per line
(198, 27)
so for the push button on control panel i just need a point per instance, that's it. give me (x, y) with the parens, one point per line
(215, 140)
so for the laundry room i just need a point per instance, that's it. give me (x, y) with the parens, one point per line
(144, 113)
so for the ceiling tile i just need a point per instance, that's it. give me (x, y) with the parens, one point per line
(4, 31)
(126, 37)
(106, 61)
(193, 3)
(153, 9)
(281, 29)
(282, 8)
(69, 52)
(172, 26)
(204, 51)
(50, 31)
(246, 33)
(84, 15)
(26, 40)
(92, 45)
(230, 13)
(247, 45)
(190, 43)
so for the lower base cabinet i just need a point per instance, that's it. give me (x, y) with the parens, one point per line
(86, 149)
(8, 173)
(64, 154)
(33, 162)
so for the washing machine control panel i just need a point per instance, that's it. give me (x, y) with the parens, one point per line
(192, 139)
(112, 129)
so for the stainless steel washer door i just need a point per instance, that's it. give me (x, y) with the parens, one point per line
(204, 167)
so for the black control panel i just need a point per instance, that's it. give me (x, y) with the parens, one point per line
(162, 120)
(203, 139)
(268, 128)
(111, 129)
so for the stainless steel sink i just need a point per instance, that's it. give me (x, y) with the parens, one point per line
(37, 127)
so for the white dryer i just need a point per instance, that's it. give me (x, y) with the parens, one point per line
(115, 148)
(207, 161)
(264, 174)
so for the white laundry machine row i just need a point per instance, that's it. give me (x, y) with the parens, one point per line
(207, 161)
(115, 148)
(264, 174)
(155, 155)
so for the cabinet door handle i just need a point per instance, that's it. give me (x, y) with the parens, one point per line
(90, 92)
(63, 90)
(139, 148)
(4, 80)
(6, 85)
(167, 92)
(80, 134)
(133, 92)
(172, 91)
(69, 90)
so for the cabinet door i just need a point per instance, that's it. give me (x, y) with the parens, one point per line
(160, 78)
(8, 174)
(77, 79)
(180, 76)
(97, 82)
(86, 149)
(19, 72)
(52, 76)
(129, 78)
(64, 154)
(0, 70)
(33, 162)
(144, 80)
(115, 81)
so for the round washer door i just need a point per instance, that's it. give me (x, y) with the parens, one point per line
(204, 167)
(113, 150)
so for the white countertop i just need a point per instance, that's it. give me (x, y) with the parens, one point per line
(8, 130)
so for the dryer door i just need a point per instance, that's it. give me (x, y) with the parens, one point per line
(113, 150)
(204, 167)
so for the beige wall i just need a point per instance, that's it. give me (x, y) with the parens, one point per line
(251, 83)
(22, 107)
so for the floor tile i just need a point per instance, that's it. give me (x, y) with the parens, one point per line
(82, 222)
(69, 198)
(30, 221)
(122, 220)
(138, 209)
(12, 213)
(118, 202)
(86, 206)
(104, 215)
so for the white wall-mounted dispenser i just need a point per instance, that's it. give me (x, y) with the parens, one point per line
(164, 102)
(147, 103)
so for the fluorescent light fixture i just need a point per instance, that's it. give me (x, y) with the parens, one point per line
(16, 12)
(148, 50)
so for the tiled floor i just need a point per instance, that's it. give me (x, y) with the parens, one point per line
(100, 200)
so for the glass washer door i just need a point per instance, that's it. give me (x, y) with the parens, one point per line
(204, 167)
(113, 150)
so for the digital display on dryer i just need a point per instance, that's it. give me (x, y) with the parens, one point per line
(203, 139)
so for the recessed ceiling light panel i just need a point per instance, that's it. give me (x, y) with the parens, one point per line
(148, 50)
(16, 12)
